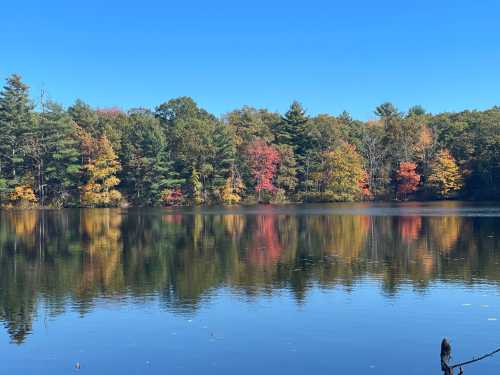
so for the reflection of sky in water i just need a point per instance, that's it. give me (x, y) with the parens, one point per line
(300, 290)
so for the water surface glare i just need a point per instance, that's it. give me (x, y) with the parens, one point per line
(324, 289)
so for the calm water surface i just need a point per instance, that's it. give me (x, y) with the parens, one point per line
(320, 289)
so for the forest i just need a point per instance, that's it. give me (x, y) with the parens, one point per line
(179, 154)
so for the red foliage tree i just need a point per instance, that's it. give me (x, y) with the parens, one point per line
(263, 161)
(110, 112)
(364, 186)
(407, 178)
(172, 197)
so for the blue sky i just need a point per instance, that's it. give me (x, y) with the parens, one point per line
(330, 55)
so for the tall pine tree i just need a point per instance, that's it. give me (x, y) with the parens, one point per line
(16, 118)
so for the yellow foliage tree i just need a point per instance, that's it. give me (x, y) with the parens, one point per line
(23, 195)
(99, 191)
(343, 174)
(230, 192)
(445, 177)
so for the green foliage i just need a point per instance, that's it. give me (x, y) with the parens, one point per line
(16, 118)
(147, 167)
(196, 187)
(292, 128)
(52, 147)
(180, 153)
(286, 178)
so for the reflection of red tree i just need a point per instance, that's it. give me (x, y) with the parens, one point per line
(172, 219)
(266, 247)
(410, 227)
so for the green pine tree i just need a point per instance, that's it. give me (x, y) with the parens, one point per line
(52, 148)
(16, 118)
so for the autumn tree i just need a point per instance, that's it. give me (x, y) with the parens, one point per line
(23, 196)
(99, 190)
(445, 177)
(343, 176)
(407, 179)
(263, 161)
(230, 193)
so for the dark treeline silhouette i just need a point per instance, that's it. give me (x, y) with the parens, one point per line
(180, 154)
(61, 259)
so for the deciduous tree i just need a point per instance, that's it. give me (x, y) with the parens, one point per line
(99, 190)
(407, 179)
(445, 177)
(343, 175)
(263, 161)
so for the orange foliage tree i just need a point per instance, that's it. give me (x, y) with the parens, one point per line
(407, 178)
(23, 195)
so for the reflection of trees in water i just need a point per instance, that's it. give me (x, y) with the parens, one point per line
(50, 256)
(101, 241)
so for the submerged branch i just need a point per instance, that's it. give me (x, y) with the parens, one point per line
(476, 359)
(446, 355)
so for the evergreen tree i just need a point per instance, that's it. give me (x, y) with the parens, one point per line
(85, 117)
(52, 148)
(16, 118)
(225, 155)
(147, 169)
(286, 177)
(292, 128)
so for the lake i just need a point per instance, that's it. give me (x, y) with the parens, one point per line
(323, 289)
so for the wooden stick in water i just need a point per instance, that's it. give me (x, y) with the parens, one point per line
(446, 355)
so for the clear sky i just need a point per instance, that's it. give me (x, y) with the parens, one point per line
(330, 55)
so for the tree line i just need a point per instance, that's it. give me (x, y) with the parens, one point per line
(180, 154)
